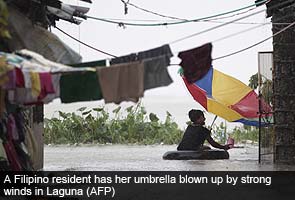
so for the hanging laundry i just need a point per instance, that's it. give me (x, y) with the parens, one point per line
(124, 59)
(23, 156)
(2, 102)
(19, 78)
(33, 62)
(46, 85)
(20, 122)
(12, 132)
(3, 156)
(155, 62)
(156, 52)
(122, 82)
(81, 86)
(3, 80)
(155, 72)
(196, 62)
(36, 85)
(31, 144)
(21, 96)
(4, 165)
(11, 83)
(25, 86)
(27, 79)
(55, 80)
(4, 67)
(12, 156)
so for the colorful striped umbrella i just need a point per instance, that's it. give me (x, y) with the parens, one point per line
(229, 98)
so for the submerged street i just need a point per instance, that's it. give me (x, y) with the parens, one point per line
(147, 158)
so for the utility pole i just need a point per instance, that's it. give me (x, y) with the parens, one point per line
(283, 11)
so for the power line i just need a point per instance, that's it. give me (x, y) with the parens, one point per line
(195, 34)
(230, 22)
(231, 35)
(200, 21)
(84, 43)
(151, 12)
(237, 33)
(277, 33)
(215, 27)
(174, 23)
(177, 18)
(225, 17)
(247, 23)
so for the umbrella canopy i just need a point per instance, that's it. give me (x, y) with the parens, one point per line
(229, 98)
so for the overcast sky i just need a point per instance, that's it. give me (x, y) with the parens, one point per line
(121, 41)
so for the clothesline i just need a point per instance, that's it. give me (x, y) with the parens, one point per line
(29, 78)
(36, 87)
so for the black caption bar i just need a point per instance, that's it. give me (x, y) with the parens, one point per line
(147, 185)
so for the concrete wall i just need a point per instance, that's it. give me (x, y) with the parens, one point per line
(284, 86)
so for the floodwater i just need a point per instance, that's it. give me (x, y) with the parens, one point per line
(147, 158)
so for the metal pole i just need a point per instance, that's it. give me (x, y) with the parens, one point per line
(213, 122)
(259, 110)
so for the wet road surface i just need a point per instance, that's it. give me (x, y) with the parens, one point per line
(147, 158)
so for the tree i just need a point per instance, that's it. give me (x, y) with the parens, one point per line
(266, 87)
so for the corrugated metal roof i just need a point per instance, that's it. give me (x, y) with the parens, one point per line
(46, 12)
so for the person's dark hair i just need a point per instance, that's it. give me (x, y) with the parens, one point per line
(195, 114)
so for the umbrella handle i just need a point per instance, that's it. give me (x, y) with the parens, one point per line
(213, 122)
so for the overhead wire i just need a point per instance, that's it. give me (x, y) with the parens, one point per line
(249, 47)
(238, 33)
(217, 40)
(204, 32)
(201, 21)
(151, 12)
(178, 22)
(215, 27)
(230, 22)
(232, 35)
(247, 23)
(221, 57)
(85, 43)
(177, 18)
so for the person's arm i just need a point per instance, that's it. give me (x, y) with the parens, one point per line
(217, 145)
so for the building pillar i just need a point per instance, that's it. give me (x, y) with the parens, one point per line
(284, 85)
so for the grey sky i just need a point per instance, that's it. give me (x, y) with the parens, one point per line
(120, 41)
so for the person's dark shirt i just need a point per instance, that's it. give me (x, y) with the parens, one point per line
(193, 138)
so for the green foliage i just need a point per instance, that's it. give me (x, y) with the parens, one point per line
(239, 134)
(242, 134)
(136, 126)
(219, 133)
(253, 82)
(266, 87)
(95, 126)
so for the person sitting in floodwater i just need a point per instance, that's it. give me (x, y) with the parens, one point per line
(196, 134)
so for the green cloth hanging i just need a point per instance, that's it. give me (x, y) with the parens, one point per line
(81, 86)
